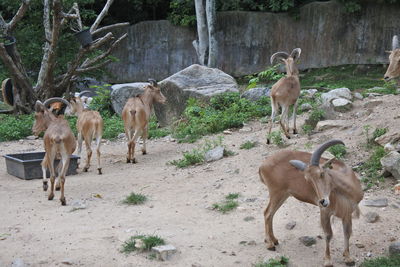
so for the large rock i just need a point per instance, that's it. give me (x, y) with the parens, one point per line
(391, 137)
(335, 94)
(121, 92)
(214, 154)
(329, 124)
(255, 94)
(391, 163)
(341, 104)
(195, 81)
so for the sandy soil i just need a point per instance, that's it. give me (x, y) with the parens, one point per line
(44, 233)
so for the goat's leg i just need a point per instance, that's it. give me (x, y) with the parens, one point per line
(294, 116)
(326, 226)
(275, 201)
(128, 134)
(44, 167)
(285, 111)
(65, 160)
(144, 138)
(80, 140)
(59, 167)
(275, 108)
(98, 143)
(347, 229)
(52, 175)
(134, 140)
(88, 153)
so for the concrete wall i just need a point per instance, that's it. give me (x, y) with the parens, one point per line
(326, 34)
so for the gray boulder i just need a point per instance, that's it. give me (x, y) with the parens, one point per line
(195, 81)
(121, 92)
(214, 154)
(328, 97)
(394, 249)
(309, 93)
(305, 107)
(341, 104)
(255, 94)
(90, 84)
(335, 94)
(379, 202)
(391, 163)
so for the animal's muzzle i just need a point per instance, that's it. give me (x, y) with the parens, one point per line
(324, 203)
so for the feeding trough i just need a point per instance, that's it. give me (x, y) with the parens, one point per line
(27, 165)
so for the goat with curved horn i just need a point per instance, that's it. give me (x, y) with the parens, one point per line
(56, 104)
(393, 70)
(86, 92)
(329, 184)
(153, 82)
(286, 91)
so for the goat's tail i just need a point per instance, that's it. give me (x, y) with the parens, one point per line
(356, 212)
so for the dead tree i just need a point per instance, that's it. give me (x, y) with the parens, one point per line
(48, 84)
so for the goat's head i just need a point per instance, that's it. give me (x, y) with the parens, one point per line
(318, 175)
(156, 92)
(44, 114)
(289, 60)
(393, 71)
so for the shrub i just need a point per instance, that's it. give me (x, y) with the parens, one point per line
(372, 166)
(391, 261)
(248, 145)
(268, 75)
(276, 262)
(228, 204)
(276, 138)
(146, 242)
(102, 101)
(15, 127)
(339, 151)
(378, 132)
(135, 199)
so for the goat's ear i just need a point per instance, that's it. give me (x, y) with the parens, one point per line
(328, 164)
(298, 164)
(296, 54)
(39, 107)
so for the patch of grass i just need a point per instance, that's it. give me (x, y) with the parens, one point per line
(388, 88)
(372, 167)
(14, 127)
(224, 111)
(267, 76)
(155, 131)
(142, 243)
(339, 151)
(378, 132)
(276, 262)
(315, 116)
(248, 145)
(135, 199)
(228, 204)
(276, 138)
(392, 261)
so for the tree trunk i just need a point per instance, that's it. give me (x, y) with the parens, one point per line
(201, 45)
(213, 45)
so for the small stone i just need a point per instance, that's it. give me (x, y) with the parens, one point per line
(78, 205)
(358, 96)
(308, 240)
(380, 202)
(227, 132)
(305, 107)
(394, 206)
(248, 218)
(250, 199)
(18, 263)
(359, 245)
(245, 130)
(371, 217)
(67, 262)
(32, 137)
(164, 252)
(290, 225)
(243, 242)
(214, 154)
(394, 249)
(389, 147)
(121, 136)
(251, 243)
(369, 254)
(342, 104)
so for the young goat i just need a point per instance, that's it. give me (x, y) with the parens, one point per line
(286, 91)
(58, 140)
(136, 115)
(333, 186)
(89, 126)
(393, 71)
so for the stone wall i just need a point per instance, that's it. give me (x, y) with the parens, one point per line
(326, 34)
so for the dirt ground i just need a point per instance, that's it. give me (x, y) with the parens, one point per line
(44, 233)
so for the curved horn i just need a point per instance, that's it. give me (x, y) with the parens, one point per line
(395, 42)
(296, 53)
(55, 99)
(38, 106)
(279, 55)
(84, 93)
(318, 152)
(152, 82)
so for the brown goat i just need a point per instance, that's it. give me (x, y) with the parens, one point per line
(393, 71)
(89, 126)
(286, 91)
(333, 186)
(58, 140)
(136, 115)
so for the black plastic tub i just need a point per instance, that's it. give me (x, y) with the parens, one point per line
(27, 165)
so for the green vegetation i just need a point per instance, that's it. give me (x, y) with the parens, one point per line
(141, 243)
(267, 76)
(228, 204)
(225, 111)
(15, 127)
(135, 199)
(276, 262)
(196, 155)
(339, 151)
(391, 261)
(315, 116)
(248, 145)
(371, 168)
(378, 132)
(276, 138)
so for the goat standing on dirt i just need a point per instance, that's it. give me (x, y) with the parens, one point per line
(89, 126)
(136, 116)
(393, 71)
(333, 186)
(286, 91)
(58, 140)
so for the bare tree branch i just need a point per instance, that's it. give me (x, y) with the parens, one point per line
(100, 17)
(102, 64)
(110, 27)
(18, 16)
(3, 24)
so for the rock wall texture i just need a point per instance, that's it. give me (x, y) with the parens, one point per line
(326, 34)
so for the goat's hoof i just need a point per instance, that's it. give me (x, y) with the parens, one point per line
(134, 161)
(273, 248)
(287, 136)
(268, 142)
(85, 169)
(144, 152)
(99, 170)
(294, 131)
(128, 161)
(45, 186)
(276, 242)
(51, 196)
(349, 262)
(328, 263)
(63, 202)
